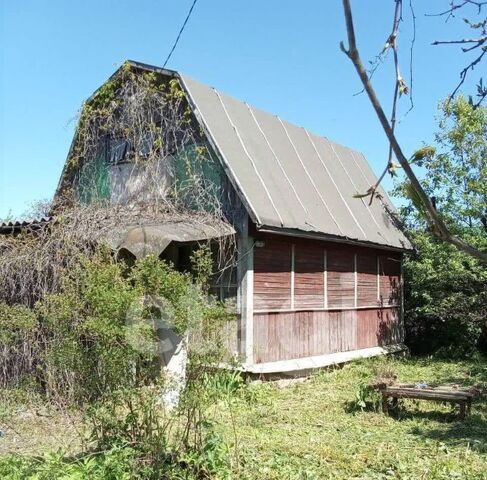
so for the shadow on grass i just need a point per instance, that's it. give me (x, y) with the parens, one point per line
(452, 431)
(472, 431)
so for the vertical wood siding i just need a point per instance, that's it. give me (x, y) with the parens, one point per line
(367, 293)
(289, 335)
(272, 275)
(341, 278)
(295, 317)
(308, 277)
(374, 279)
(390, 277)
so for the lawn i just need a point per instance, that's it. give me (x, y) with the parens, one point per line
(317, 428)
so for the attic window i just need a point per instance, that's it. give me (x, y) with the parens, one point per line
(146, 144)
(116, 150)
(113, 150)
(119, 150)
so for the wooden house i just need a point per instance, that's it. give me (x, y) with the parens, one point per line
(319, 270)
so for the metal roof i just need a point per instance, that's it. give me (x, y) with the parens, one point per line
(15, 225)
(293, 179)
(289, 179)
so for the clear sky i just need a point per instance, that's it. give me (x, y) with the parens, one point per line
(280, 55)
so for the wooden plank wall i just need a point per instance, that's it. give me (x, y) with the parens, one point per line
(370, 275)
(367, 288)
(309, 278)
(272, 276)
(389, 275)
(288, 335)
(336, 298)
(341, 277)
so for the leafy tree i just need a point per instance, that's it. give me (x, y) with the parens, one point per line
(445, 299)
(459, 173)
(456, 171)
(446, 289)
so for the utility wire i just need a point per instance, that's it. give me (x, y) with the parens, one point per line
(180, 33)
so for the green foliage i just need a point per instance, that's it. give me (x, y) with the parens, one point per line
(307, 430)
(455, 170)
(225, 383)
(459, 172)
(88, 340)
(445, 289)
(426, 151)
(130, 417)
(18, 343)
(101, 331)
(172, 292)
(16, 323)
(202, 265)
(115, 464)
(86, 350)
(445, 298)
(365, 397)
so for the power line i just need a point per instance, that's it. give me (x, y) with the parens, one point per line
(180, 33)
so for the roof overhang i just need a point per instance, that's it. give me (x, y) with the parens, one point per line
(15, 226)
(153, 239)
(329, 238)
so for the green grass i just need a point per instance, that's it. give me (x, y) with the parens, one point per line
(313, 430)
(309, 430)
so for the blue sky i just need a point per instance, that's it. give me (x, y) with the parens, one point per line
(281, 56)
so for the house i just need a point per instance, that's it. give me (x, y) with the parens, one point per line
(318, 279)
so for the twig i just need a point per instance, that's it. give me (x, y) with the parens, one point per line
(456, 6)
(475, 43)
(433, 217)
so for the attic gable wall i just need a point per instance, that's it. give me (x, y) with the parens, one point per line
(139, 143)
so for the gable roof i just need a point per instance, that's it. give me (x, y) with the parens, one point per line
(288, 178)
(291, 178)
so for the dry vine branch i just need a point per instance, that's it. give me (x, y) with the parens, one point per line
(433, 217)
(456, 6)
(138, 158)
(32, 263)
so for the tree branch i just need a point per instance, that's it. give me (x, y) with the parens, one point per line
(456, 6)
(435, 221)
(474, 43)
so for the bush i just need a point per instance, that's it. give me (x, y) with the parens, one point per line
(445, 299)
(97, 345)
(18, 343)
(105, 329)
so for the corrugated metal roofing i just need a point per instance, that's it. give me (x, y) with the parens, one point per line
(288, 177)
(293, 179)
(7, 227)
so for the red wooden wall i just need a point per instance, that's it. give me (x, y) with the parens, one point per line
(272, 276)
(288, 335)
(313, 298)
(309, 278)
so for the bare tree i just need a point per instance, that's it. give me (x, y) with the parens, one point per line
(432, 215)
(476, 44)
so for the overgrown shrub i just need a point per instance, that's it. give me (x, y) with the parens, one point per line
(101, 331)
(445, 289)
(19, 329)
(96, 344)
(445, 300)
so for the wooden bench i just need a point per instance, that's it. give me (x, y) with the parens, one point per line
(462, 398)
